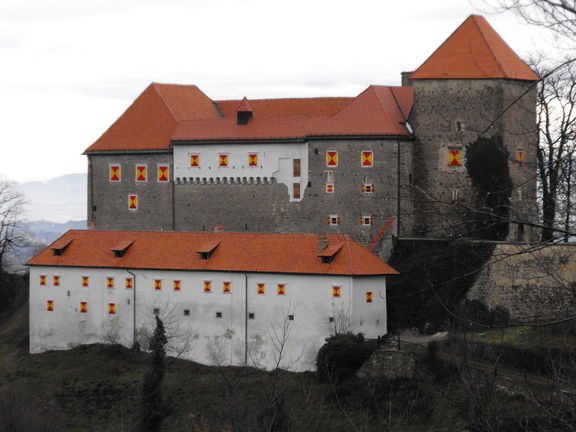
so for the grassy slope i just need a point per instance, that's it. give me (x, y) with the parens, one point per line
(97, 388)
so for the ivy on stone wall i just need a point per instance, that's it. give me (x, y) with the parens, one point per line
(487, 165)
(435, 276)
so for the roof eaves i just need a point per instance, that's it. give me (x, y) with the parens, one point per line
(239, 141)
(126, 152)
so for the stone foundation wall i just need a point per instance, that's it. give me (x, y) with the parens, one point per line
(532, 282)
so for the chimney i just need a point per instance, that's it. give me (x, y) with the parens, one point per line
(244, 112)
(407, 78)
(218, 228)
(322, 242)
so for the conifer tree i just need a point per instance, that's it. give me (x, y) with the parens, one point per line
(152, 408)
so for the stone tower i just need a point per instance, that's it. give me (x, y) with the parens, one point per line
(473, 85)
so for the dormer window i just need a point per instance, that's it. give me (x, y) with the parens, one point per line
(59, 247)
(121, 248)
(207, 250)
(244, 112)
(328, 254)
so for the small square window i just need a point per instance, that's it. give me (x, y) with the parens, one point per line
(290, 317)
(331, 319)
(251, 315)
(333, 220)
(368, 188)
(329, 188)
(156, 311)
(218, 314)
(366, 220)
(186, 312)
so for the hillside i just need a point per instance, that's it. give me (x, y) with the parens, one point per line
(97, 388)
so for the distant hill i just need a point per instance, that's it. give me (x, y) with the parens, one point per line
(61, 199)
(46, 232)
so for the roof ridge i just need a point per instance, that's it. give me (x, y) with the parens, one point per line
(349, 102)
(286, 99)
(397, 103)
(441, 45)
(155, 85)
(483, 36)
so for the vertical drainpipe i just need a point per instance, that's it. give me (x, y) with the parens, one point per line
(246, 319)
(90, 190)
(133, 308)
(398, 189)
(173, 196)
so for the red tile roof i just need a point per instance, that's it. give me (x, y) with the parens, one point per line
(304, 107)
(240, 252)
(379, 110)
(149, 122)
(475, 50)
(164, 113)
(171, 112)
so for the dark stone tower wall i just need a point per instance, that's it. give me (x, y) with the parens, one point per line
(450, 114)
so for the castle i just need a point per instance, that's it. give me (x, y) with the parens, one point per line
(178, 160)
(297, 185)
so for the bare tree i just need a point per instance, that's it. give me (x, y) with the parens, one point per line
(12, 234)
(557, 15)
(556, 153)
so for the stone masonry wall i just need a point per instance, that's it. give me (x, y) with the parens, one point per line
(531, 283)
(262, 207)
(449, 114)
(108, 201)
(265, 207)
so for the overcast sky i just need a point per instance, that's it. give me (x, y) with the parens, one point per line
(69, 68)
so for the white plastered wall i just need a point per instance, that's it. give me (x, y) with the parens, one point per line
(370, 319)
(275, 164)
(202, 336)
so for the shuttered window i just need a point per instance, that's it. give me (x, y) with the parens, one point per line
(296, 187)
(296, 167)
